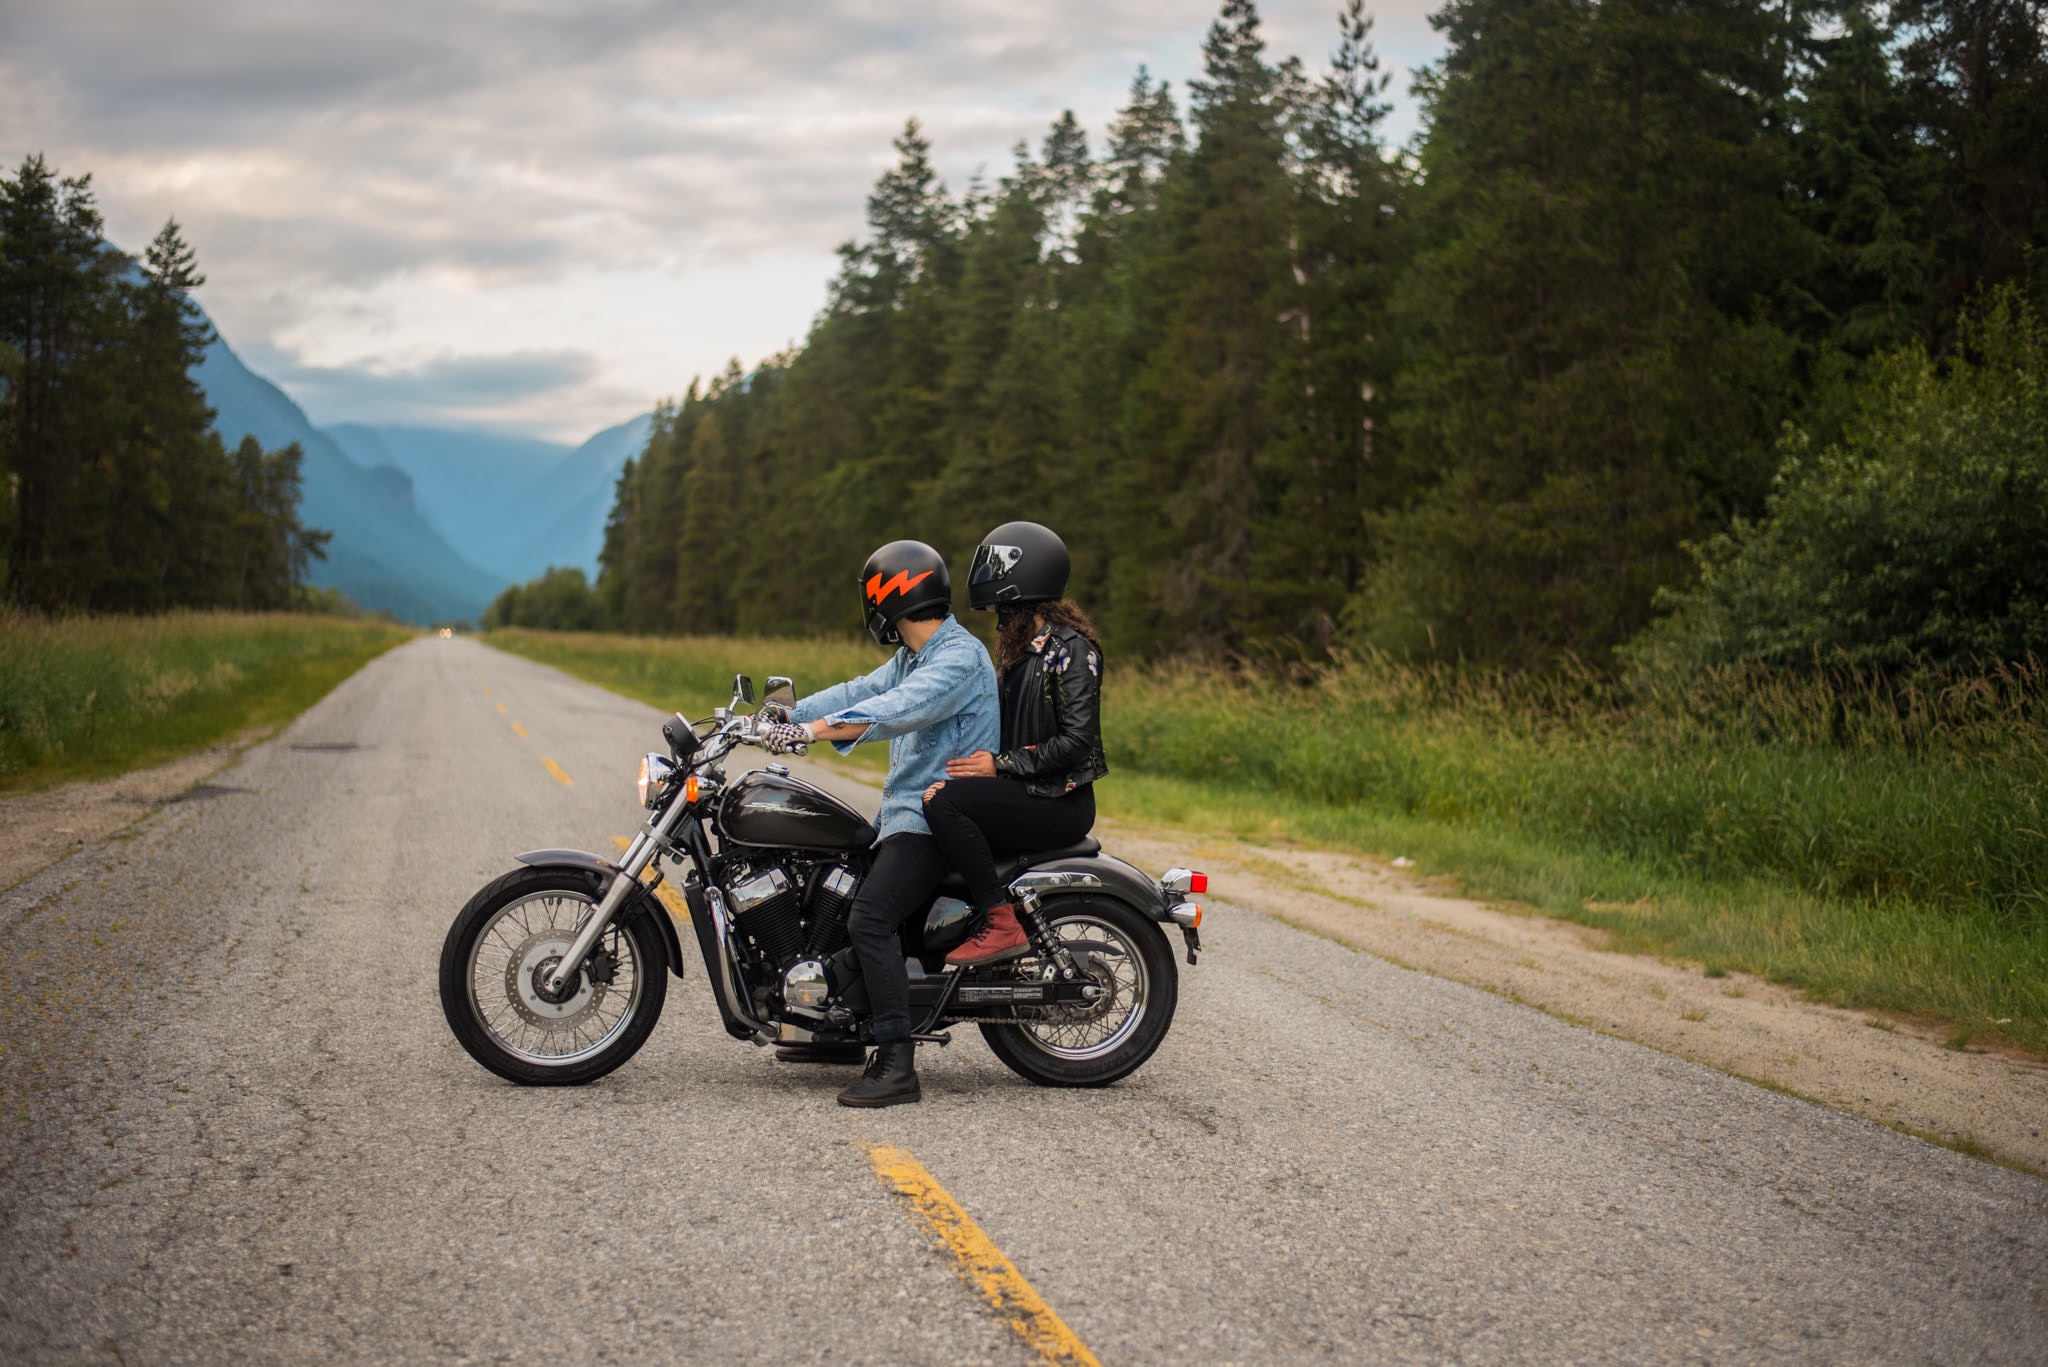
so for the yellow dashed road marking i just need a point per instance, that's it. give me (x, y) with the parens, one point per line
(503, 710)
(980, 1261)
(521, 732)
(670, 898)
(556, 770)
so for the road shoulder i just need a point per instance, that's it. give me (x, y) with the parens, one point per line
(45, 827)
(1990, 1103)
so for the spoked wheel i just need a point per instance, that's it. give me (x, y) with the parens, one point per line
(1096, 1043)
(494, 968)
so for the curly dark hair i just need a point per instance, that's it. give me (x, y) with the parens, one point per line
(1017, 626)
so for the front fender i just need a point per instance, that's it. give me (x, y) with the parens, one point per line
(642, 901)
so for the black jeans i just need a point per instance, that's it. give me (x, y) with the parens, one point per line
(907, 871)
(972, 818)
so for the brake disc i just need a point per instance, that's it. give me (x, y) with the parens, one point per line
(528, 969)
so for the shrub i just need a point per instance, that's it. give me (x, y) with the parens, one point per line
(1922, 535)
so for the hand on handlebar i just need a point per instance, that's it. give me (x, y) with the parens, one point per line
(771, 714)
(782, 738)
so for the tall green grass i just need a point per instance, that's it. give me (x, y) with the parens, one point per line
(1877, 842)
(83, 697)
(1842, 785)
(1880, 843)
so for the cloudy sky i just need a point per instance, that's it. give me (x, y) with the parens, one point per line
(541, 215)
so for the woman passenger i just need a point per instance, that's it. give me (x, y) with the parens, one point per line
(1038, 793)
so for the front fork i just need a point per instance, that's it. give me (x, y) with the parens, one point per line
(638, 856)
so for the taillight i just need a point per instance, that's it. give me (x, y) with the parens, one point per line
(1198, 882)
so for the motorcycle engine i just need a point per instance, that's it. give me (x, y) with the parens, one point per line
(767, 906)
(831, 899)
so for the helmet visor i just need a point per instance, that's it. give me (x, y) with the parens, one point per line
(992, 563)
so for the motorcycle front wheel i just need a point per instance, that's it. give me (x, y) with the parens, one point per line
(494, 966)
(1126, 955)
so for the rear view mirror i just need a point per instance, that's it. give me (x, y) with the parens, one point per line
(742, 688)
(781, 691)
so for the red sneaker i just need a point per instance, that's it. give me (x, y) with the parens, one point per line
(1000, 938)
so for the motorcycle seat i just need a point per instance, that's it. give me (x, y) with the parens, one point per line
(1010, 863)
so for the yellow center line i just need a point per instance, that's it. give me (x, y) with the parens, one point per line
(670, 898)
(503, 710)
(521, 732)
(980, 1261)
(556, 770)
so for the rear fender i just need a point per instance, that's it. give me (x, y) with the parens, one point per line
(1123, 883)
(641, 903)
(1119, 881)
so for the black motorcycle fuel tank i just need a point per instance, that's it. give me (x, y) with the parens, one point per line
(768, 808)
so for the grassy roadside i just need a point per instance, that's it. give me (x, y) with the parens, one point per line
(1877, 850)
(87, 697)
(693, 674)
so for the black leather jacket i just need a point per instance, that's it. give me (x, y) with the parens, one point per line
(1052, 714)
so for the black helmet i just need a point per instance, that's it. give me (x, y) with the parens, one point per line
(899, 579)
(1018, 562)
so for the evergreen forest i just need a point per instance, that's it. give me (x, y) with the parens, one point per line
(1690, 328)
(119, 495)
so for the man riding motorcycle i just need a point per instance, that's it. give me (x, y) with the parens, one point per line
(933, 701)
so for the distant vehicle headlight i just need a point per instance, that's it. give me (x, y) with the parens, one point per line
(656, 772)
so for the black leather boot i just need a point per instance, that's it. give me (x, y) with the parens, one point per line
(890, 1079)
(845, 1051)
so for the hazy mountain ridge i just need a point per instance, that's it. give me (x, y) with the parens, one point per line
(385, 553)
(514, 504)
(469, 484)
(429, 523)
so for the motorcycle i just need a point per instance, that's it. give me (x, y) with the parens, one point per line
(555, 973)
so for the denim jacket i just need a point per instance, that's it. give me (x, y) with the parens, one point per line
(931, 706)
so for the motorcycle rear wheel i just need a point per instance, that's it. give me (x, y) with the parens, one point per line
(1093, 1048)
(510, 934)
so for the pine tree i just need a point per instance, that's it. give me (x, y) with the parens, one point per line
(60, 310)
(1330, 463)
(1863, 189)
(1197, 407)
(124, 498)
(1600, 234)
(1976, 73)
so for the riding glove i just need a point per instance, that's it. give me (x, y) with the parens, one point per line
(783, 738)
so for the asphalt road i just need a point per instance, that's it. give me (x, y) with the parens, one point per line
(233, 1125)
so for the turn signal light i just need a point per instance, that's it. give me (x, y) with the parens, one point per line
(690, 788)
(1198, 882)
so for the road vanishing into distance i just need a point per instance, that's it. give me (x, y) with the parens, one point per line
(237, 1128)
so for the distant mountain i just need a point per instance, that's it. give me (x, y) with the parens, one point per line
(385, 554)
(516, 505)
(580, 491)
(471, 485)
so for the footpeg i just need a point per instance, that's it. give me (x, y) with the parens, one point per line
(942, 1039)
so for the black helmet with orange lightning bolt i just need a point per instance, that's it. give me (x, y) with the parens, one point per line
(899, 579)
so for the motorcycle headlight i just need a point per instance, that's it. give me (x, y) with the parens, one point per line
(656, 772)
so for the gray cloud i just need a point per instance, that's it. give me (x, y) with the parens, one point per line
(473, 388)
(326, 157)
